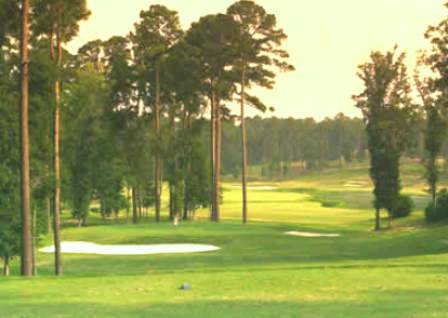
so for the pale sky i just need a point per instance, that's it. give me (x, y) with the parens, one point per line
(327, 40)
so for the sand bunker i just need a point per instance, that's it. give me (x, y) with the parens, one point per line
(311, 234)
(92, 248)
(356, 184)
(260, 188)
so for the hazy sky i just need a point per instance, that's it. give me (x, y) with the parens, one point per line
(327, 40)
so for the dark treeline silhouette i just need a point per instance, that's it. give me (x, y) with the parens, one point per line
(282, 145)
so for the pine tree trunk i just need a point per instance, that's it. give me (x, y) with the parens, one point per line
(186, 127)
(434, 193)
(217, 163)
(185, 211)
(139, 201)
(212, 150)
(49, 215)
(170, 205)
(128, 197)
(157, 161)
(389, 216)
(34, 241)
(26, 259)
(56, 164)
(134, 206)
(6, 266)
(243, 146)
(377, 220)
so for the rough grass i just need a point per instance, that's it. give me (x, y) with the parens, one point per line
(260, 271)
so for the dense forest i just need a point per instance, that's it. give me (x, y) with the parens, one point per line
(278, 144)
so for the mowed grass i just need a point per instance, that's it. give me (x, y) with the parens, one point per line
(260, 271)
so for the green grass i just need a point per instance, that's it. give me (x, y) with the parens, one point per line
(260, 271)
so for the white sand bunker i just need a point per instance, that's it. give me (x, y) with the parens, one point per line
(356, 184)
(259, 188)
(311, 234)
(92, 248)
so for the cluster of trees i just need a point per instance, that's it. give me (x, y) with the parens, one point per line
(112, 122)
(391, 114)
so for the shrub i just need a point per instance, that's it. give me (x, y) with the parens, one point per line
(432, 213)
(440, 210)
(329, 204)
(442, 201)
(403, 207)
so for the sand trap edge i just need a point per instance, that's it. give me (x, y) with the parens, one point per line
(150, 249)
(312, 234)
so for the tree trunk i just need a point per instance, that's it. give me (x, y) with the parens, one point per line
(389, 217)
(212, 149)
(34, 241)
(434, 193)
(157, 161)
(134, 206)
(217, 173)
(56, 164)
(49, 215)
(185, 212)
(139, 201)
(26, 259)
(6, 266)
(377, 220)
(128, 197)
(243, 146)
(170, 203)
(102, 209)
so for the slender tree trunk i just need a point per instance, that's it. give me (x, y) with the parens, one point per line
(128, 197)
(187, 167)
(170, 204)
(102, 209)
(157, 161)
(26, 259)
(185, 211)
(139, 201)
(218, 162)
(173, 180)
(56, 164)
(377, 220)
(34, 241)
(134, 206)
(49, 215)
(212, 148)
(243, 145)
(389, 217)
(434, 188)
(6, 266)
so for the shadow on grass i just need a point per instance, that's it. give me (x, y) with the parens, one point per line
(248, 248)
(392, 303)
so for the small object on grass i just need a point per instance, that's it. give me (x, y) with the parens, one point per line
(185, 286)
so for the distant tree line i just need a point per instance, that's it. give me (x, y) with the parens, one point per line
(279, 145)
